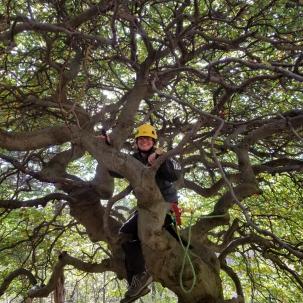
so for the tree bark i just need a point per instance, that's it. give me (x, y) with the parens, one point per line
(59, 293)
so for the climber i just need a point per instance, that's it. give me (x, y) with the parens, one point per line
(146, 152)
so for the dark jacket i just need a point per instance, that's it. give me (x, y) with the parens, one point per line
(167, 173)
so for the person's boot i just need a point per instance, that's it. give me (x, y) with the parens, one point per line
(143, 292)
(139, 282)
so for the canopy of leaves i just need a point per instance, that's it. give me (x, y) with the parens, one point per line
(222, 83)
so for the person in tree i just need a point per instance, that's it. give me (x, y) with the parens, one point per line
(138, 276)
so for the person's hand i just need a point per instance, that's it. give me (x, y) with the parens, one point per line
(152, 158)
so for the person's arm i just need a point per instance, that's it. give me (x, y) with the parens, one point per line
(169, 170)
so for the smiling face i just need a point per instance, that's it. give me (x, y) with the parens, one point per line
(145, 143)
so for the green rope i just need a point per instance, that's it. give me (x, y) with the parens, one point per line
(186, 256)
(188, 259)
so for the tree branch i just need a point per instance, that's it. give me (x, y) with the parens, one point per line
(14, 204)
(65, 259)
(15, 274)
(25, 141)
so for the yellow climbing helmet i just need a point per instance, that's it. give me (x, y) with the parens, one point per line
(146, 130)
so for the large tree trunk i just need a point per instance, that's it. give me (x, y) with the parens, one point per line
(59, 293)
(163, 254)
(165, 264)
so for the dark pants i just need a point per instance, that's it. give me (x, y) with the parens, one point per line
(134, 260)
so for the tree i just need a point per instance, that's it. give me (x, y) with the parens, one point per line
(220, 80)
